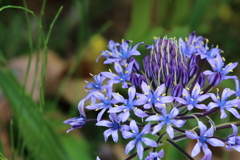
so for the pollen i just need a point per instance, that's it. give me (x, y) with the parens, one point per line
(192, 99)
(110, 53)
(121, 79)
(122, 40)
(230, 70)
(115, 105)
(130, 89)
(207, 40)
(126, 72)
(116, 64)
(223, 69)
(186, 39)
(216, 46)
(237, 97)
(217, 89)
(197, 47)
(164, 94)
(230, 63)
(113, 75)
(154, 37)
(110, 70)
(236, 106)
(149, 99)
(156, 114)
(218, 97)
(105, 90)
(126, 64)
(124, 110)
(96, 109)
(199, 99)
(229, 90)
(184, 94)
(158, 99)
(145, 93)
(118, 94)
(106, 98)
(223, 59)
(149, 87)
(201, 92)
(187, 88)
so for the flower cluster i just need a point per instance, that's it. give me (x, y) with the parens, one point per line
(165, 92)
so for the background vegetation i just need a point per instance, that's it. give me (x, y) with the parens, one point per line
(48, 48)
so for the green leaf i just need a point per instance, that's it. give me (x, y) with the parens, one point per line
(39, 137)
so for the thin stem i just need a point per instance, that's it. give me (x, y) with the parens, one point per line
(180, 149)
(199, 114)
(179, 130)
(158, 141)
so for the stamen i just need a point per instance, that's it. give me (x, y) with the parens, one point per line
(187, 88)
(110, 70)
(154, 37)
(113, 75)
(96, 109)
(164, 94)
(217, 89)
(230, 70)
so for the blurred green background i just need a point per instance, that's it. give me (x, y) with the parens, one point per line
(46, 53)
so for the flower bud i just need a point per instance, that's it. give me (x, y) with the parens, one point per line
(169, 81)
(193, 70)
(215, 78)
(201, 79)
(177, 90)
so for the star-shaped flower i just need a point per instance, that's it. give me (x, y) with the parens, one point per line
(203, 139)
(127, 105)
(77, 122)
(114, 125)
(233, 141)
(192, 100)
(224, 103)
(138, 138)
(166, 119)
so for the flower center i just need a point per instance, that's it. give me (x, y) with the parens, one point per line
(115, 125)
(202, 139)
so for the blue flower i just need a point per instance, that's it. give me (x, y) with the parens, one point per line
(123, 76)
(203, 139)
(192, 100)
(77, 122)
(97, 86)
(122, 53)
(233, 141)
(157, 98)
(106, 102)
(188, 48)
(224, 104)
(114, 125)
(128, 104)
(166, 119)
(217, 65)
(155, 155)
(138, 138)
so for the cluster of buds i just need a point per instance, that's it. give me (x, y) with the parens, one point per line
(165, 92)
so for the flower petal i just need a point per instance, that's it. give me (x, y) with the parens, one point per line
(215, 142)
(196, 150)
(149, 142)
(130, 146)
(134, 126)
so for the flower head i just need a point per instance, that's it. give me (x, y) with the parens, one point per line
(138, 138)
(224, 103)
(192, 99)
(203, 139)
(114, 125)
(155, 155)
(233, 141)
(77, 122)
(166, 119)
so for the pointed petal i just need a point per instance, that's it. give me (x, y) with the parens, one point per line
(191, 135)
(139, 150)
(134, 126)
(170, 131)
(115, 135)
(127, 134)
(234, 112)
(107, 134)
(215, 142)
(140, 113)
(149, 142)
(131, 93)
(196, 150)
(104, 123)
(130, 146)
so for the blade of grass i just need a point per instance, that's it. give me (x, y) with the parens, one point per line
(31, 116)
(12, 139)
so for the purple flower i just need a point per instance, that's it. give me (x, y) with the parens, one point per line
(206, 53)
(128, 104)
(192, 100)
(155, 155)
(114, 125)
(233, 141)
(138, 138)
(166, 119)
(97, 86)
(77, 122)
(149, 98)
(224, 104)
(123, 76)
(106, 102)
(218, 66)
(203, 139)
(122, 53)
